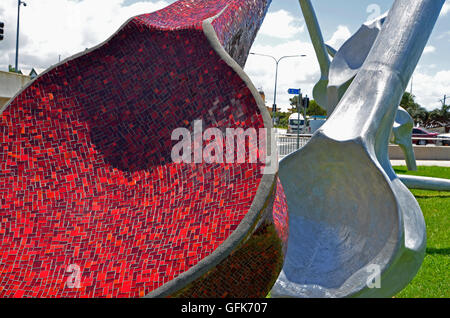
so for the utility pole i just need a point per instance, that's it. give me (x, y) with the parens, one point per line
(19, 2)
(277, 62)
(299, 102)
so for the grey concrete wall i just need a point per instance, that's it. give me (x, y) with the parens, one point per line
(422, 153)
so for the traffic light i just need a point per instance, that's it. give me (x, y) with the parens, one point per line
(306, 102)
(2, 25)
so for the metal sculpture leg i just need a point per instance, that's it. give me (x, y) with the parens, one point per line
(348, 212)
(346, 63)
(402, 136)
(348, 60)
(320, 89)
(424, 183)
(344, 67)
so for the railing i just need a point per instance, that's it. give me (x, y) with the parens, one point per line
(433, 140)
(289, 143)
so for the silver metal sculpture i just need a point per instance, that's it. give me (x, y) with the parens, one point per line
(350, 216)
(348, 60)
(346, 63)
(402, 136)
(344, 67)
(320, 89)
(425, 183)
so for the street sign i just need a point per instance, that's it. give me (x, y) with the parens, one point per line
(294, 91)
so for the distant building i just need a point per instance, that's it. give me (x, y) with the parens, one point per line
(33, 74)
(10, 85)
(263, 95)
(269, 108)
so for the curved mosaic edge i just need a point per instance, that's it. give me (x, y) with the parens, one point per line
(257, 208)
(251, 269)
(265, 188)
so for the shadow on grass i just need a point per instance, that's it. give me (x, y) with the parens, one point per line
(444, 196)
(438, 251)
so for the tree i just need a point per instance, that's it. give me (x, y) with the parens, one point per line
(13, 70)
(407, 101)
(417, 112)
(313, 110)
(441, 116)
(283, 120)
(293, 101)
(424, 118)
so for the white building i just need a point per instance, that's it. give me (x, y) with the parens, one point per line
(10, 84)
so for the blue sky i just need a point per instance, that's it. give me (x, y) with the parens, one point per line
(53, 28)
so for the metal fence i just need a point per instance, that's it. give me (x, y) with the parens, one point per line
(438, 141)
(290, 143)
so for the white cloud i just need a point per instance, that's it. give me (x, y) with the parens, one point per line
(430, 88)
(339, 37)
(429, 49)
(293, 73)
(443, 35)
(281, 24)
(304, 72)
(301, 72)
(50, 28)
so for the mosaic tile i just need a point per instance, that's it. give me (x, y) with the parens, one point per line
(86, 177)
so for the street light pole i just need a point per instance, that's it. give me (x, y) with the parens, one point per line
(277, 62)
(299, 101)
(19, 2)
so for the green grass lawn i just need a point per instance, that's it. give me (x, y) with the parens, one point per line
(433, 278)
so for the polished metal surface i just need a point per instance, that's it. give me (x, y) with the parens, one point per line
(346, 63)
(349, 214)
(349, 59)
(320, 89)
(402, 136)
(425, 183)
(344, 67)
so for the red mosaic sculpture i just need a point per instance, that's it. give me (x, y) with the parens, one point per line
(91, 203)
